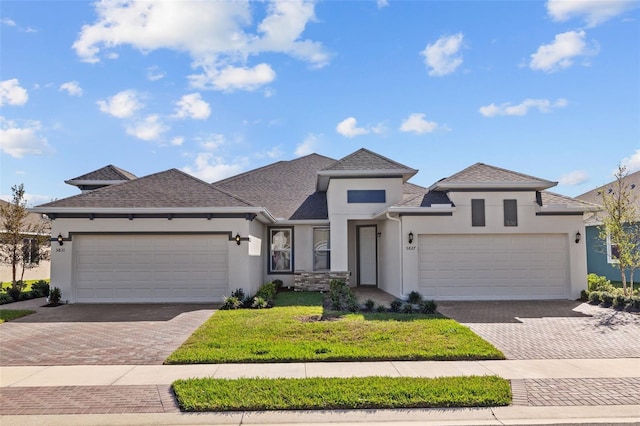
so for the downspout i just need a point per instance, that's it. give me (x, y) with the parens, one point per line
(395, 219)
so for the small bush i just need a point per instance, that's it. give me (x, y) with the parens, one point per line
(395, 306)
(407, 308)
(594, 297)
(268, 292)
(414, 298)
(278, 284)
(633, 305)
(584, 296)
(606, 299)
(259, 303)
(353, 305)
(341, 297)
(14, 293)
(428, 307)
(598, 283)
(40, 288)
(231, 302)
(619, 301)
(369, 305)
(5, 298)
(238, 294)
(381, 309)
(54, 296)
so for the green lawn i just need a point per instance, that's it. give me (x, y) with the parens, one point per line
(293, 332)
(27, 287)
(338, 393)
(11, 314)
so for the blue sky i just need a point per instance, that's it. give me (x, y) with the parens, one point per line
(550, 89)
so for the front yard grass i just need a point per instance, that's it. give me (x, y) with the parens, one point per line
(11, 314)
(297, 330)
(338, 393)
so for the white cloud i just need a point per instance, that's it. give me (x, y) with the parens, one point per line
(543, 105)
(442, 57)
(417, 124)
(231, 78)
(382, 3)
(632, 162)
(220, 37)
(122, 105)
(177, 141)
(8, 21)
(21, 141)
(154, 73)
(594, 12)
(11, 93)
(574, 178)
(308, 145)
(561, 52)
(148, 129)
(349, 128)
(72, 88)
(211, 169)
(211, 142)
(192, 106)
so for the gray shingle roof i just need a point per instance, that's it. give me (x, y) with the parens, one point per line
(594, 196)
(32, 219)
(286, 188)
(363, 160)
(425, 199)
(481, 174)
(106, 173)
(553, 198)
(168, 189)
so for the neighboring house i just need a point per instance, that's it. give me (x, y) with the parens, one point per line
(484, 233)
(601, 254)
(39, 268)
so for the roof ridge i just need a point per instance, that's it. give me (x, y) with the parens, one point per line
(502, 169)
(367, 151)
(124, 173)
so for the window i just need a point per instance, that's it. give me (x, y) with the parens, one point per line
(510, 213)
(280, 243)
(30, 251)
(612, 252)
(321, 249)
(366, 196)
(477, 212)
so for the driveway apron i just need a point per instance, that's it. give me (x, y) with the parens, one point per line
(106, 334)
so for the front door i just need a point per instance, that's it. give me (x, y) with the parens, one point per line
(367, 255)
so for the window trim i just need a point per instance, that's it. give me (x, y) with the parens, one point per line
(270, 233)
(610, 258)
(506, 210)
(477, 203)
(31, 246)
(366, 196)
(327, 251)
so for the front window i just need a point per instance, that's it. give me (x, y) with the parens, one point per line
(281, 242)
(30, 251)
(510, 213)
(477, 212)
(612, 252)
(321, 249)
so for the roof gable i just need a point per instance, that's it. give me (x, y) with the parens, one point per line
(484, 176)
(106, 173)
(169, 189)
(595, 195)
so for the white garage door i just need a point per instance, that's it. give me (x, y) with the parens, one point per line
(150, 268)
(493, 267)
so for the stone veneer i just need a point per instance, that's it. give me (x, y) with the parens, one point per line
(317, 281)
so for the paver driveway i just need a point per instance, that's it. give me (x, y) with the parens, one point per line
(98, 334)
(556, 329)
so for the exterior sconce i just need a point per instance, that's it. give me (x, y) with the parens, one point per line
(578, 237)
(60, 239)
(237, 238)
(410, 237)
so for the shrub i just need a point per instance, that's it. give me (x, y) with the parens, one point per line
(14, 293)
(414, 298)
(341, 297)
(259, 303)
(381, 309)
(267, 292)
(5, 298)
(584, 296)
(407, 308)
(40, 288)
(231, 302)
(598, 283)
(428, 307)
(606, 299)
(634, 304)
(594, 297)
(369, 305)
(353, 305)
(619, 301)
(54, 296)
(278, 284)
(395, 306)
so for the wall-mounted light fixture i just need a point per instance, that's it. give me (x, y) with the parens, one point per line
(237, 238)
(578, 237)
(60, 239)
(410, 237)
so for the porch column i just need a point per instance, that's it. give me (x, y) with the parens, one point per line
(339, 243)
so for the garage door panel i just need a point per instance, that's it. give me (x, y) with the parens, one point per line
(476, 267)
(150, 268)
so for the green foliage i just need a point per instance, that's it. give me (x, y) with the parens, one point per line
(428, 307)
(320, 393)
(341, 297)
(381, 309)
(598, 283)
(414, 298)
(259, 303)
(40, 288)
(5, 298)
(594, 297)
(369, 305)
(291, 332)
(11, 314)
(15, 292)
(55, 295)
(620, 301)
(606, 299)
(407, 308)
(268, 291)
(395, 306)
(231, 302)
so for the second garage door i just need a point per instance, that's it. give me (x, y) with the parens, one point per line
(150, 268)
(493, 267)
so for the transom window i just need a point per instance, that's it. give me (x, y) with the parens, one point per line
(280, 245)
(321, 249)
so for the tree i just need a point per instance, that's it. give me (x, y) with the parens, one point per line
(621, 225)
(22, 241)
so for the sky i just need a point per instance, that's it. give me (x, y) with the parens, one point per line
(215, 88)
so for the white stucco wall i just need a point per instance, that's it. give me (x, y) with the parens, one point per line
(528, 223)
(40, 272)
(243, 268)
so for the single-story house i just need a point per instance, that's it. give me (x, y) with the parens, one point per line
(483, 233)
(601, 254)
(38, 267)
